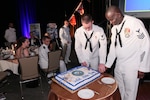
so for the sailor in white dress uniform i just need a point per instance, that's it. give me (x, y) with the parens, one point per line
(130, 44)
(65, 38)
(90, 45)
(43, 55)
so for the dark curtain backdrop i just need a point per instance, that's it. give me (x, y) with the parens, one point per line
(8, 14)
(26, 13)
(97, 9)
(45, 11)
(56, 11)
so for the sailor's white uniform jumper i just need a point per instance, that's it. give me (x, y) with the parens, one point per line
(64, 34)
(132, 51)
(91, 46)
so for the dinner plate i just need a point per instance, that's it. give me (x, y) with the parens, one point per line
(108, 80)
(11, 57)
(85, 93)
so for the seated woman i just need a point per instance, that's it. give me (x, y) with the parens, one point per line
(21, 51)
(22, 47)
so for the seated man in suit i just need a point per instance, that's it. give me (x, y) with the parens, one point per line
(35, 43)
(34, 40)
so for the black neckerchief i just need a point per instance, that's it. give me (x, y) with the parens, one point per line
(88, 40)
(118, 34)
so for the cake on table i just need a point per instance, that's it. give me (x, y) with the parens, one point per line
(77, 77)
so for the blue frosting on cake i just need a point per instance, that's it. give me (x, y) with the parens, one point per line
(77, 77)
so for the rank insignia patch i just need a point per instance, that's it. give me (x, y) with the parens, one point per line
(140, 34)
(127, 32)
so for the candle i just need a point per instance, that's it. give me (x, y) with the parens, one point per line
(6, 48)
(12, 47)
(13, 52)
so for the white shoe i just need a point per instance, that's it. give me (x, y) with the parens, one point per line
(54, 74)
(50, 75)
(60, 48)
(69, 60)
(50, 81)
(66, 61)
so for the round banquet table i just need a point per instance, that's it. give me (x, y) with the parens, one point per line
(105, 91)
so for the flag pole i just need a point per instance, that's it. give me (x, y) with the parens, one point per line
(73, 16)
(76, 9)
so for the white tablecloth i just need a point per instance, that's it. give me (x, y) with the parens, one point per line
(4, 65)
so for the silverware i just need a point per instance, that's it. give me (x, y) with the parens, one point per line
(93, 91)
(99, 82)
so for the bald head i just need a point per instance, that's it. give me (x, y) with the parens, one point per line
(113, 9)
(114, 15)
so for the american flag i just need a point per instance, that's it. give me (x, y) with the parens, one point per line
(72, 20)
(78, 9)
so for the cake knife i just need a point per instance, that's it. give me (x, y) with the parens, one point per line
(93, 91)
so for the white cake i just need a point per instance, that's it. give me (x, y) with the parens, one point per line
(77, 77)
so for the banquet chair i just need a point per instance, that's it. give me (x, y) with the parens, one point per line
(53, 63)
(29, 71)
(3, 76)
(53, 46)
(3, 80)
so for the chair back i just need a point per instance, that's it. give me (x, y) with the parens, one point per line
(3, 75)
(54, 60)
(53, 46)
(29, 67)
